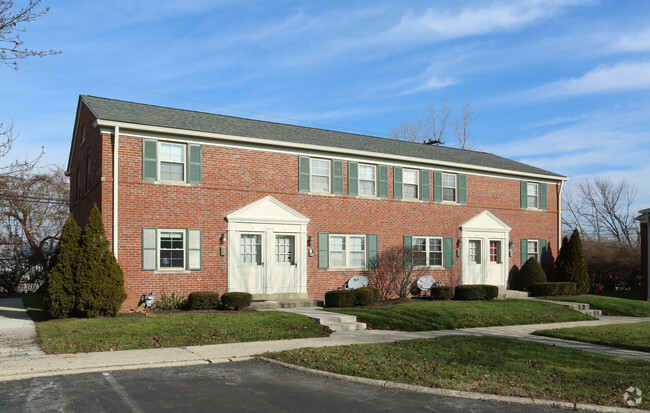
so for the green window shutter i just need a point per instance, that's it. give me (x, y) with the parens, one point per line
(383, 181)
(149, 253)
(408, 255)
(193, 249)
(303, 174)
(397, 182)
(425, 190)
(542, 196)
(194, 167)
(353, 178)
(524, 194)
(543, 252)
(462, 188)
(323, 250)
(337, 177)
(437, 186)
(524, 251)
(149, 160)
(372, 252)
(448, 252)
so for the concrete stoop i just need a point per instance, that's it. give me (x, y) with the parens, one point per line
(276, 304)
(333, 321)
(582, 307)
(505, 293)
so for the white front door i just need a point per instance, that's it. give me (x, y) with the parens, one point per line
(282, 270)
(250, 262)
(474, 266)
(495, 268)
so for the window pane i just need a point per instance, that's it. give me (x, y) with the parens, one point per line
(495, 251)
(435, 244)
(357, 259)
(172, 250)
(367, 188)
(320, 167)
(357, 243)
(532, 189)
(337, 258)
(171, 171)
(475, 251)
(532, 201)
(367, 172)
(337, 243)
(449, 180)
(320, 183)
(449, 194)
(170, 152)
(251, 249)
(410, 176)
(410, 191)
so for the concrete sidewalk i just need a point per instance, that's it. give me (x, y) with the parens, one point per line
(15, 368)
(17, 331)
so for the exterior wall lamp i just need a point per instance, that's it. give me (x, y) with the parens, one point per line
(310, 241)
(223, 238)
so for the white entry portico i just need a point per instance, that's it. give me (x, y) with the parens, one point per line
(485, 258)
(267, 249)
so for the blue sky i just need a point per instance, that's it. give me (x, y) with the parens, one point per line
(560, 84)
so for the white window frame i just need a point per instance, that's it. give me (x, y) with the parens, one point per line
(159, 248)
(258, 253)
(346, 251)
(374, 181)
(455, 187)
(530, 185)
(417, 183)
(428, 250)
(160, 161)
(329, 175)
(532, 254)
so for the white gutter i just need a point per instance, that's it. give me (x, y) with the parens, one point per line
(116, 144)
(270, 142)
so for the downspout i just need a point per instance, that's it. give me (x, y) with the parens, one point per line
(559, 218)
(116, 144)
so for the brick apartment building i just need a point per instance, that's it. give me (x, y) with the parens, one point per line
(197, 201)
(644, 235)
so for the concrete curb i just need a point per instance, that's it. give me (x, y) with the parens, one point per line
(456, 393)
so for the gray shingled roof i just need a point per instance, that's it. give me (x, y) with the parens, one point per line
(138, 113)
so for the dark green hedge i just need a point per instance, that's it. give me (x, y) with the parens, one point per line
(441, 293)
(349, 298)
(476, 292)
(551, 289)
(203, 300)
(236, 301)
(530, 273)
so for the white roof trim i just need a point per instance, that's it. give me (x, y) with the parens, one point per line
(485, 221)
(273, 211)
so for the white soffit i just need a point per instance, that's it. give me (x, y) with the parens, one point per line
(485, 221)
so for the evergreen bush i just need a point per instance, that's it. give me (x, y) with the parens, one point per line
(573, 266)
(203, 300)
(441, 293)
(551, 289)
(59, 299)
(366, 296)
(100, 280)
(475, 292)
(531, 273)
(236, 301)
(340, 298)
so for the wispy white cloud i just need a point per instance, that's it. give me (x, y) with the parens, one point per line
(621, 77)
(633, 42)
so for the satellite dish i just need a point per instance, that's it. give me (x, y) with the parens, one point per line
(425, 282)
(359, 281)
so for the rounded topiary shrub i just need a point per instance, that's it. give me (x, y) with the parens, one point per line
(441, 293)
(531, 273)
(203, 300)
(236, 301)
(551, 289)
(366, 296)
(340, 298)
(476, 292)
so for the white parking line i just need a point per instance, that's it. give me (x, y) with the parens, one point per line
(135, 408)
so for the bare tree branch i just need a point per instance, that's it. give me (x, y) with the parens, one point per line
(462, 134)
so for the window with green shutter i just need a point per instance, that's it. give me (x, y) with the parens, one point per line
(373, 251)
(437, 186)
(408, 251)
(353, 178)
(171, 249)
(462, 188)
(383, 181)
(542, 196)
(194, 175)
(193, 249)
(149, 249)
(323, 250)
(303, 174)
(397, 182)
(425, 190)
(337, 177)
(149, 160)
(449, 252)
(524, 194)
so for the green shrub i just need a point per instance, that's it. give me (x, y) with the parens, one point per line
(441, 293)
(236, 301)
(100, 280)
(551, 289)
(170, 302)
(340, 298)
(366, 296)
(572, 266)
(531, 273)
(476, 292)
(59, 299)
(203, 300)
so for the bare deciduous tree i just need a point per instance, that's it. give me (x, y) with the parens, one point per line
(395, 272)
(11, 20)
(433, 128)
(33, 209)
(461, 133)
(601, 209)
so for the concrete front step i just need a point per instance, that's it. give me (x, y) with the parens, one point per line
(286, 303)
(582, 307)
(333, 321)
(505, 294)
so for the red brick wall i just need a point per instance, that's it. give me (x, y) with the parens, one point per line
(645, 271)
(234, 178)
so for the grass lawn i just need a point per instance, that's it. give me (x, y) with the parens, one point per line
(635, 336)
(488, 365)
(610, 305)
(447, 315)
(172, 330)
